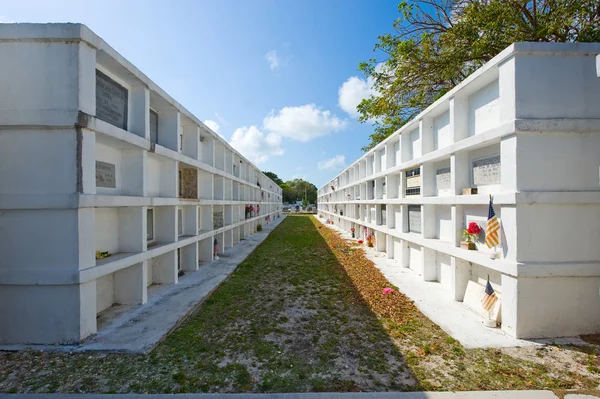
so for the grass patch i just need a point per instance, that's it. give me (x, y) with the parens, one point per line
(304, 312)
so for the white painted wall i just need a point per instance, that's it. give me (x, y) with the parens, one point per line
(107, 229)
(26, 159)
(153, 180)
(105, 292)
(484, 109)
(442, 131)
(415, 258)
(443, 269)
(414, 144)
(444, 226)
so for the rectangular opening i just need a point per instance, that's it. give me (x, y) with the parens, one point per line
(150, 226)
(153, 126)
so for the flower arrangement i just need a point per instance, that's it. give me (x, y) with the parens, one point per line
(371, 241)
(333, 188)
(470, 235)
(360, 241)
(352, 230)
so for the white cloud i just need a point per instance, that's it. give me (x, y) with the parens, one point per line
(214, 126)
(273, 60)
(352, 92)
(5, 20)
(337, 162)
(255, 145)
(303, 123)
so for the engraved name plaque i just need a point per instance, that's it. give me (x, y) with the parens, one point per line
(111, 101)
(105, 175)
(486, 171)
(414, 218)
(442, 178)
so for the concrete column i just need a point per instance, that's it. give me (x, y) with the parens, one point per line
(139, 111)
(428, 257)
(428, 180)
(405, 147)
(460, 275)
(86, 237)
(88, 162)
(134, 174)
(390, 246)
(507, 90)
(509, 304)
(189, 257)
(459, 117)
(132, 229)
(508, 164)
(165, 268)
(392, 185)
(428, 221)
(459, 172)
(380, 241)
(405, 255)
(457, 213)
(131, 284)
(404, 218)
(191, 141)
(168, 129)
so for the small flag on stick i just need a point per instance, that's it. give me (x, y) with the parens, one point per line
(493, 227)
(489, 297)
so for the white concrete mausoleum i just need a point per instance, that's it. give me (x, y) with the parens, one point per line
(524, 128)
(95, 157)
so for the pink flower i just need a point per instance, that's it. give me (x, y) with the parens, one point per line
(388, 290)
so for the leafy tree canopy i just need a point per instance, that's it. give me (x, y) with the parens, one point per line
(438, 43)
(296, 189)
(274, 177)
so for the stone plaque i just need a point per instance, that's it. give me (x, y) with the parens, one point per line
(105, 175)
(111, 101)
(442, 178)
(414, 218)
(486, 171)
(217, 220)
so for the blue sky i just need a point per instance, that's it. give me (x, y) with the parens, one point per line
(277, 78)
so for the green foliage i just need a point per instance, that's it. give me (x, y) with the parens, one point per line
(438, 43)
(297, 189)
(274, 177)
(305, 202)
(259, 227)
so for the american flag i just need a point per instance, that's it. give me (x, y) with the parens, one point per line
(489, 297)
(493, 228)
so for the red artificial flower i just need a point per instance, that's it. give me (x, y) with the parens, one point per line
(352, 229)
(360, 241)
(473, 228)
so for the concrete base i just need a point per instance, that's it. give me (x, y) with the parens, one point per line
(141, 327)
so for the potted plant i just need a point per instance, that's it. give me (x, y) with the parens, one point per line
(470, 235)
(352, 230)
